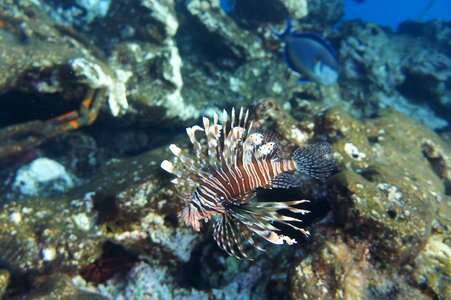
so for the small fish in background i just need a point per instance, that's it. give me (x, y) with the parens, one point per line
(228, 6)
(310, 55)
(229, 164)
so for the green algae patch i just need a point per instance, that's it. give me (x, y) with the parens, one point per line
(387, 192)
(390, 213)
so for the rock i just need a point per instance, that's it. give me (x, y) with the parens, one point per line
(43, 235)
(4, 281)
(436, 31)
(156, 84)
(150, 280)
(344, 269)
(387, 192)
(324, 13)
(268, 10)
(385, 237)
(41, 53)
(241, 44)
(432, 266)
(397, 71)
(41, 177)
(335, 270)
(60, 287)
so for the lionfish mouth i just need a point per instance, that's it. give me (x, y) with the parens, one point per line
(229, 164)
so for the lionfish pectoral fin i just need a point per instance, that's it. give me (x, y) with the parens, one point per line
(259, 218)
(230, 236)
(285, 181)
(314, 160)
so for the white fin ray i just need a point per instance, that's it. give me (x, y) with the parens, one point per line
(191, 131)
(233, 138)
(187, 162)
(184, 181)
(212, 134)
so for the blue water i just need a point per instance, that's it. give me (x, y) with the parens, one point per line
(392, 12)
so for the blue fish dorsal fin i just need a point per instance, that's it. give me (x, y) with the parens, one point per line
(288, 30)
(316, 37)
(303, 80)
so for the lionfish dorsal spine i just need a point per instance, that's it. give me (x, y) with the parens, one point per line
(187, 162)
(191, 131)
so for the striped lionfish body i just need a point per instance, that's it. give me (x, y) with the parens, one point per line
(225, 172)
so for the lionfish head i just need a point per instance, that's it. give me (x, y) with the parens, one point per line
(190, 214)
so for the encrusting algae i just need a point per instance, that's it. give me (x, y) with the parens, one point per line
(224, 176)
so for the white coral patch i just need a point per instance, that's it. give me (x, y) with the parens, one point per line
(42, 173)
(82, 221)
(174, 74)
(15, 217)
(161, 12)
(93, 75)
(48, 254)
(94, 8)
(176, 106)
(354, 152)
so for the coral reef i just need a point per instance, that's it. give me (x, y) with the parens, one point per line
(61, 287)
(381, 69)
(41, 234)
(138, 72)
(41, 176)
(388, 195)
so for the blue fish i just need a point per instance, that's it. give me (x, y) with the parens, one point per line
(228, 6)
(310, 55)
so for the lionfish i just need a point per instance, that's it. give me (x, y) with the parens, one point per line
(227, 169)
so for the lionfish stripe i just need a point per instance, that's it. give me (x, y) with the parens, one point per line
(217, 189)
(254, 175)
(233, 240)
(238, 176)
(265, 165)
(244, 178)
(206, 195)
(261, 173)
(221, 188)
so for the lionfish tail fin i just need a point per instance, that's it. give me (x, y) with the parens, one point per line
(314, 160)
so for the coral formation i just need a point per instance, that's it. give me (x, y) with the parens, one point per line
(139, 72)
(387, 202)
(42, 175)
(397, 71)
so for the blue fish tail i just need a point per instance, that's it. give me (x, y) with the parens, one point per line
(288, 30)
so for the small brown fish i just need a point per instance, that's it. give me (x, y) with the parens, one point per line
(224, 174)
